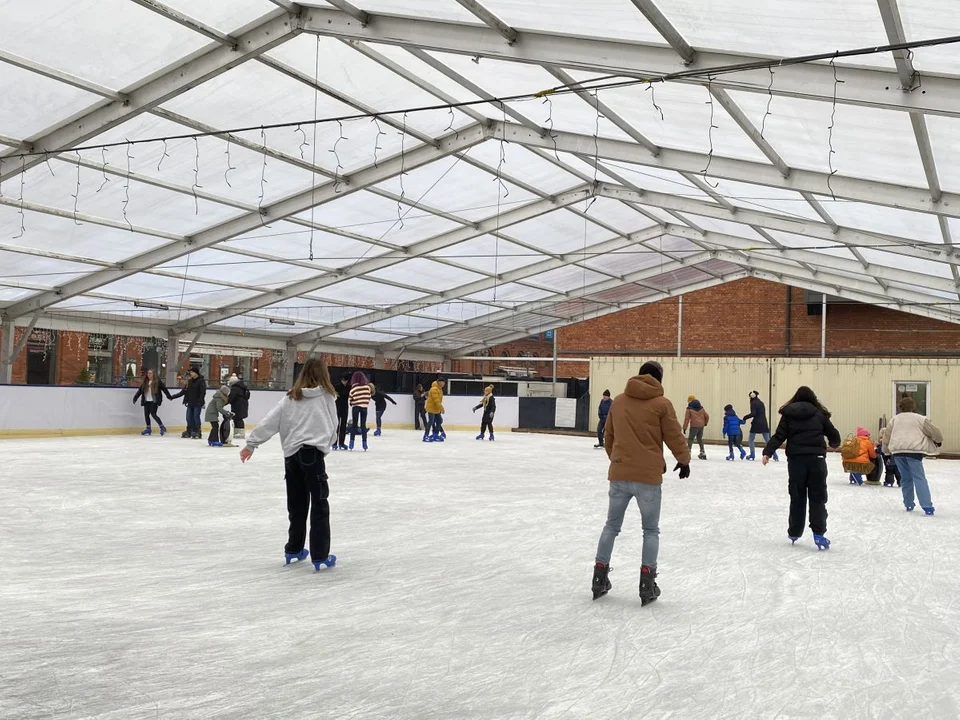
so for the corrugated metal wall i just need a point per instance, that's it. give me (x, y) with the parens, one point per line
(857, 391)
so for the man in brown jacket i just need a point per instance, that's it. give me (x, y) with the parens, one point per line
(696, 418)
(641, 420)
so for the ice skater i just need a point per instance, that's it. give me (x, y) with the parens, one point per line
(859, 455)
(195, 399)
(696, 418)
(361, 391)
(239, 403)
(150, 394)
(343, 412)
(909, 437)
(804, 423)
(602, 411)
(419, 408)
(380, 400)
(489, 405)
(307, 421)
(219, 432)
(641, 420)
(434, 430)
(759, 426)
(732, 432)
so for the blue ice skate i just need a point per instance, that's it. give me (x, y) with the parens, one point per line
(751, 457)
(730, 458)
(343, 447)
(743, 454)
(330, 562)
(437, 438)
(427, 438)
(821, 542)
(215, 443)
(491, 437)
(299, 557)
(929, 510)
(163, 431)
(146, 431)
(480, 437)
(364, 444)
(377, 433)
(351, 443)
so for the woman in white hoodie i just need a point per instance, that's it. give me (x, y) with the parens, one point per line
(908, 438)
(306, 419)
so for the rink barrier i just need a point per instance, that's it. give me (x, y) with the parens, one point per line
(74, 411)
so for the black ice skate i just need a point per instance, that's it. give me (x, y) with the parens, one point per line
(649, 590)
(703, 456)
(601, 585)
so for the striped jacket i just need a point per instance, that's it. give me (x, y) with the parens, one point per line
(360, 396)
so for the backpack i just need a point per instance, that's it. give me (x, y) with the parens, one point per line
(850, 449)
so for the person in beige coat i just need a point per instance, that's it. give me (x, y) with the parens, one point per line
(908, 438)
(640, 422)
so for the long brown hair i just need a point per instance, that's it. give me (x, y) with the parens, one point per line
(154, 386)
(314, 374)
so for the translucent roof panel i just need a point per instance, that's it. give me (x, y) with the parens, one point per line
(439, 9)
(39, 271)
(779, 27)
(567, 279)
(559, 232)
(875, 218)
(226, 18)
(32, 103)
(490, 254)
(926, 19)
(460, 311)
(426, 274)
(945, 140)
(613, 19)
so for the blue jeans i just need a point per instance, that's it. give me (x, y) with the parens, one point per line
(193, 419)
(434, 424)
(913, 478)
(766, 438)
(648, 500)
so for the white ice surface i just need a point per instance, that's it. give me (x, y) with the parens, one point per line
(144, 578)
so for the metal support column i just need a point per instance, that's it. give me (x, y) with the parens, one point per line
(378, 360)
(679, 326)
(172, 359)
(555, 332)
(289, 361)
(7, 355)
(823, 327)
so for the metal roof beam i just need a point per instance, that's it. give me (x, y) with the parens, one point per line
(352, 10)
(183, 76)
(409, 160)
(666, 29)
(746, 171)
(592, 289)
(893, 25)
(60, 76)
(489, 19)
(424, 247)
(861, 86)
(841, 235)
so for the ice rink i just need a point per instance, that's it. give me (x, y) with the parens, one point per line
(144, 578)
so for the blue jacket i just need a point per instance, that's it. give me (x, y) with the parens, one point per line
(604, 409)
(731, 423)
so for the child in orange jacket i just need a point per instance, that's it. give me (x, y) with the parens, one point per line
(863, 464)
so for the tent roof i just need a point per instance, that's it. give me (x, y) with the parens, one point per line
(474, 222)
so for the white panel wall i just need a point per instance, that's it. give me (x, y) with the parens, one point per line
(26, 409)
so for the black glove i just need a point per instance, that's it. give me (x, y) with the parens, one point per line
(939, 444)
(684, 470)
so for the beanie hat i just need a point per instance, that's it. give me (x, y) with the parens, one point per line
(225, 389)
(653, 369)
(863, 432)
(691, 398)
(606, 393)
(233, 379)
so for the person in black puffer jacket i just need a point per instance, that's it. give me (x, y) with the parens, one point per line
(343, 411)
(759, 426)
(804, 423)
(239, 403)
(195, 398)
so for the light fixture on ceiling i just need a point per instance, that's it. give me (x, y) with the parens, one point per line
(152, 306)
(281, 321)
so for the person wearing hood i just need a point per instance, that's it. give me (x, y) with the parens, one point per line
(489, 405)
(862, 456)
(219, 434)
(640, 422)
(909, 437)
(804, 423)
(695, 418)
(759, 426)
(602, 412)
(380, 400)
(195, 398)
(239, 404)
(419, 408)
(308, 422)
(732, 432)
(434, 405)
(343, 411)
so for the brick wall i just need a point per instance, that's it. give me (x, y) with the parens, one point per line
(71, 357)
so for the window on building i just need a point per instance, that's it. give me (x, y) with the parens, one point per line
(100, 358)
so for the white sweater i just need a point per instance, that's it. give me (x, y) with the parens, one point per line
(910, 433)
(312, 421)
